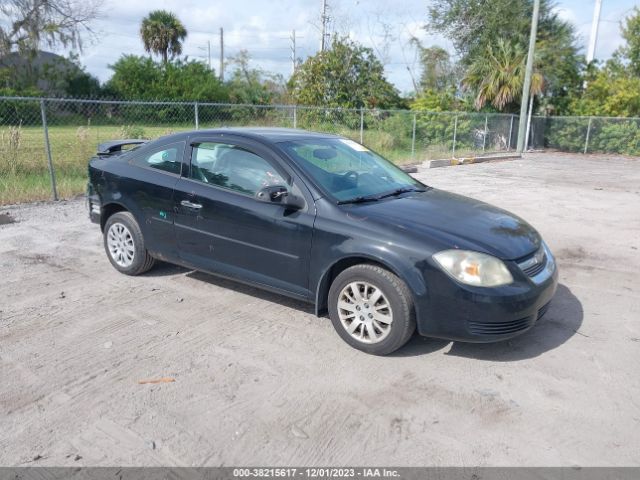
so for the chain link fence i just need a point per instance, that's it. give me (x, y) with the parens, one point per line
(45, 143)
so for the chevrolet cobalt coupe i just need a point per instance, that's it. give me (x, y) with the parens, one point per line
(323, 219)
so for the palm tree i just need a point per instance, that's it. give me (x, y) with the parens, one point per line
(162, 33)
(498, 77)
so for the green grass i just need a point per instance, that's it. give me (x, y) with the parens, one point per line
(24, 174)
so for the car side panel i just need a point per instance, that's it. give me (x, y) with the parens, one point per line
(146, 193)
(240, 237)
(339, 237)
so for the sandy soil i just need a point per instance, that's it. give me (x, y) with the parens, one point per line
(259, 380)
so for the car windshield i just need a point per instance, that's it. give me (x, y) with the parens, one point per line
(348, 171)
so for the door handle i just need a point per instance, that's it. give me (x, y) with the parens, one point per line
(188, 204)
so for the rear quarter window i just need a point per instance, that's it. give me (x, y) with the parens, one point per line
(167, 158)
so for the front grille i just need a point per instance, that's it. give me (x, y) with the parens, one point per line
(535, 269)
(501, 328)
(533, 264)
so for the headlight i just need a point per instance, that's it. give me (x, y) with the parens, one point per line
(474, 268)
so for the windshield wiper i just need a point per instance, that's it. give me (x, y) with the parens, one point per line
(399, 191)
(360, 199)
(375, 198)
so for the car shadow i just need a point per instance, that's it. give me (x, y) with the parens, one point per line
(164, 269)
(561, 322)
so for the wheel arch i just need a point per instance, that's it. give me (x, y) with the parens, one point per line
(108, 210)
(413, 281)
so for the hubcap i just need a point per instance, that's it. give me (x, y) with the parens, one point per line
(365, 312)
(120, 244)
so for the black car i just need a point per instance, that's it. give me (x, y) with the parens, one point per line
(323, 219)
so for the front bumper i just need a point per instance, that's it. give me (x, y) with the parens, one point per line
(462, 313)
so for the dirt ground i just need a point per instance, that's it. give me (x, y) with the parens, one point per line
(259, 380)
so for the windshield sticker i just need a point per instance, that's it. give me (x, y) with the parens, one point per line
(356, 146)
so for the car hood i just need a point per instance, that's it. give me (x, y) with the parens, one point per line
(447, 220)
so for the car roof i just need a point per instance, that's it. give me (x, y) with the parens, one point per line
(272, 135)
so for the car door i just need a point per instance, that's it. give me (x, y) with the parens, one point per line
(221, 227)
(147, 189)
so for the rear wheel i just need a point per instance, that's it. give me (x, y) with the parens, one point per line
(124, 244)
(371, 309)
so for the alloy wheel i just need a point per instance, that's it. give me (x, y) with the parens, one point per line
(365, 312)
(120, 244)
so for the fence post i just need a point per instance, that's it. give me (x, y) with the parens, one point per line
(484, 137)
(413, 138)
(455, 132)
(47, 148)
(586, 141)
(361, 125)
(510, 133)
(295, 116)
(197, 116)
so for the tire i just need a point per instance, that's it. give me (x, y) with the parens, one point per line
(381, 327)
(124, 244)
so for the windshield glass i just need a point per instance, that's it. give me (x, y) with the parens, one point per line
(347, 170)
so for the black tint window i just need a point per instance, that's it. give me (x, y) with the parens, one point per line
(232, 167)
(167, 158)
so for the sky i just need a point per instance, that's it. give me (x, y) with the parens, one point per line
(264, 29)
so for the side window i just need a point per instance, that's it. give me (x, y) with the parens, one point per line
(167, 158)
(232, 167)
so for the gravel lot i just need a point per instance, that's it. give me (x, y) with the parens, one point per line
(260, 380)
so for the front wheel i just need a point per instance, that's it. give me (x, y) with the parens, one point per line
(371, 309)
(124, 245)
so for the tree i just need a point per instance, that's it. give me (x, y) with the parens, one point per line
(609, 94)
(48, 74)
(137, 77)
(613, 89)
(498, 76)
(442, 100)
(474, 25)
(438, 72)
(253, 85)
(630, 51)
(162, 34)
(346, 75)
(27, 24)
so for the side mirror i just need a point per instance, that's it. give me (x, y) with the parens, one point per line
(280, 195)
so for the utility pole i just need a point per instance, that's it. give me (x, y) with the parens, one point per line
(593, 38)
(209, 52)
(324, 18)
(522, 124)
(221, 54)
(293, 52)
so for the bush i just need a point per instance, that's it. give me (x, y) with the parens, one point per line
(607, 135)
(615, 136)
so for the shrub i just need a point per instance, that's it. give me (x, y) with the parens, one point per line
(132, 131)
